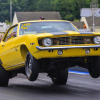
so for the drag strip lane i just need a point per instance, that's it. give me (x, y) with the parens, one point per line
(79, 87)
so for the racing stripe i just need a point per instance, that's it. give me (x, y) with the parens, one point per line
(59, 33)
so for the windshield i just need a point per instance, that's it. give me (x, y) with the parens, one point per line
(45, 27)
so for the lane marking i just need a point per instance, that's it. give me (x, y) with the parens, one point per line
(78, 72)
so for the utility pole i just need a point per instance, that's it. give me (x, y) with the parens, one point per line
(94, 8)
(11, 11)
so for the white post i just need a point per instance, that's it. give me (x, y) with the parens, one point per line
(94, 6)
(93, 23)
(11, 11)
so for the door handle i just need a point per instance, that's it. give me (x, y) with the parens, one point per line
(3, 45)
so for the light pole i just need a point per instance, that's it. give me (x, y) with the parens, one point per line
(94, 8)
(93, 21)
(11, 11)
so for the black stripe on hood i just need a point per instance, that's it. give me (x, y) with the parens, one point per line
(59, 33)
(82, 32)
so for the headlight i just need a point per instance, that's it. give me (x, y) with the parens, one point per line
(47, 42)
(97, 39)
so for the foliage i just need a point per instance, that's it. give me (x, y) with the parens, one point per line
(69, 9)
(44, 5)
(7, 22)
(76, 20)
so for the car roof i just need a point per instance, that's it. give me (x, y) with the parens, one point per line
(41, 21)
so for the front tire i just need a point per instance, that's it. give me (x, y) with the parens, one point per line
(60, 77)
(94, 67)
(31, 67)
(4, 76)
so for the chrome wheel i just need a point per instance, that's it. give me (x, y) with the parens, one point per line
(29, 67)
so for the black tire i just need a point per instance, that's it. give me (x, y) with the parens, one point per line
(94, 67)
(31, 67)
(4, 76)
(60, 77)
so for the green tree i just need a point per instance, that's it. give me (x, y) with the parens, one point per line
(69, 9)
(22, 4)
(64, 7)
(4, 10)
(44, 5)
(31, 5)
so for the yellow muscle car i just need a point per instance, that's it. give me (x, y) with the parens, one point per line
(51, 46)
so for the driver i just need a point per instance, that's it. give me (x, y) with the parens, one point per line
(41, 18)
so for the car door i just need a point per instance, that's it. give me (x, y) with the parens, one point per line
(8, 56)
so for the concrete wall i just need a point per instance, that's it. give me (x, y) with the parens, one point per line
(97, 29)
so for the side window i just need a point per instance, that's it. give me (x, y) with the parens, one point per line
(11, 33)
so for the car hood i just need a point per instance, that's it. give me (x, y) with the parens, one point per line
(64, 33)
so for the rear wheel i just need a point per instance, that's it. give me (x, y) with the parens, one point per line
(31, 67)
(94, 67)
(60, 77)
(4, 76)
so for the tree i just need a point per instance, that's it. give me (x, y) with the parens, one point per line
(4, 10)
(64, 7)
(69, 9)
(31, 5)
(44, 5)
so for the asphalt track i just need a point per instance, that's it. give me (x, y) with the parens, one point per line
(79, 87)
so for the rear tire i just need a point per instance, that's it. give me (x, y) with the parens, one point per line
(31, 67)
(60, 77)
(4, 76)
(94, 67)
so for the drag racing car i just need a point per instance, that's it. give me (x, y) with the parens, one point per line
(48, 46)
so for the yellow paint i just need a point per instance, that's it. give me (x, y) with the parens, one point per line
(11, 54)
(24, 26)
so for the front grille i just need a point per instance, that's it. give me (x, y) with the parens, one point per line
(73, 40)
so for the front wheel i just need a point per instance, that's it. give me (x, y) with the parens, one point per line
(60, 77)
(31, 67)
(94, 67)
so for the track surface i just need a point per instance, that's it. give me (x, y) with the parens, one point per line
(78, 87)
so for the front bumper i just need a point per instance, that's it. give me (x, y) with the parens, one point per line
(67, 47)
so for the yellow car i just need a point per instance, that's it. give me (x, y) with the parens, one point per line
(51, 46)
